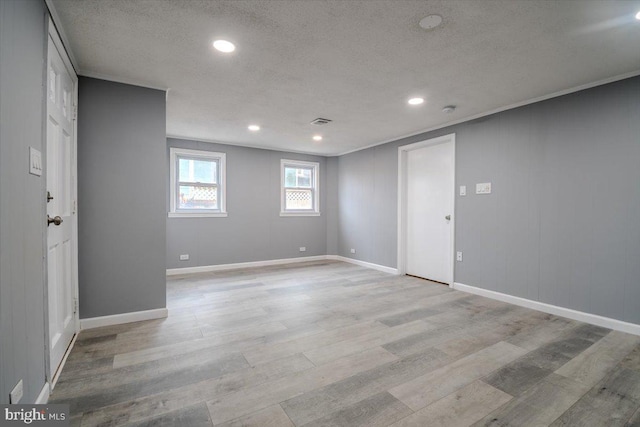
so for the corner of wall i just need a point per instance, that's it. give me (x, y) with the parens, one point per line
(332, 205)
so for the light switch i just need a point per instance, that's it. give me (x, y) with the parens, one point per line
(35, 162)
(483, 188)
(463, 190)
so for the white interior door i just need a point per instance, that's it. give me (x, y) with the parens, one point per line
(61, 192)
(429, 211)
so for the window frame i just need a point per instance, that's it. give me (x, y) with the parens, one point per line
(221, 158)
(315, 187)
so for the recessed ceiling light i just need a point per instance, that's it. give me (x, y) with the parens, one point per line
(253, 128)
(449, 109)
(430, 22)
(224, 46)
(415, 101)
(317, 138)
(638, 16)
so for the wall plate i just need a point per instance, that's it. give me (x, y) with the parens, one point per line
(35, 162)
(483, 188)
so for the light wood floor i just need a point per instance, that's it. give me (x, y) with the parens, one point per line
(333, 344)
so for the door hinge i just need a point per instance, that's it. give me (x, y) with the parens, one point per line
(75, 112)
(75, 305)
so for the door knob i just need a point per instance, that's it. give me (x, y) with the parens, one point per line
(55, 220)
(448, 217)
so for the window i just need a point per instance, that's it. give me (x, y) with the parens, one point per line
(299, 192)
(197, 183)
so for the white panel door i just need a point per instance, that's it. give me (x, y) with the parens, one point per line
(61, 190)
(429, 181)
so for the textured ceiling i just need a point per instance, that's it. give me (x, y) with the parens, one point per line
(355, 62)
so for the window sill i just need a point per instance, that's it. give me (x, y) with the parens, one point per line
(299, 213)
(197, 214)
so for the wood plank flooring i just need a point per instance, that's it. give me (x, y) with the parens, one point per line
(332, 344)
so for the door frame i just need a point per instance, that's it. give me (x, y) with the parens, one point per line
(403, 200)
(57, 42)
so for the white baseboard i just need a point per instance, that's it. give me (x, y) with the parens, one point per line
(221, 267)
(371, 265)
(117, 319)
(43, 397)
(594, 319)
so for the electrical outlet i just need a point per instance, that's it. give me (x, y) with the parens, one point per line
(459, 256)
(16, 393)
(353, 251)
(184, 257)
(303, 249)
(463, 190)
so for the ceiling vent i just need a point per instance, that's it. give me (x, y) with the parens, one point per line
(320, 121)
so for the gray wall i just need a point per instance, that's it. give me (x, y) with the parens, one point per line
(122, 179)
(23, 39)
(561, 225)
(367, 205)
(253, 229)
